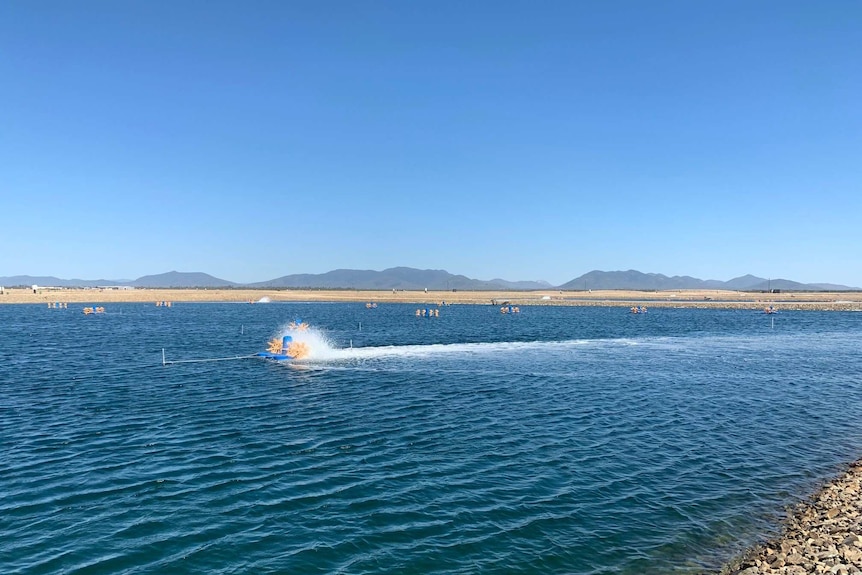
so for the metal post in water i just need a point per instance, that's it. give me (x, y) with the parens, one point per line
(163, 356)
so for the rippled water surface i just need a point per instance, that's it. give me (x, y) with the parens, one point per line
(557, 440)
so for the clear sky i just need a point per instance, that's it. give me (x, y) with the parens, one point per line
(515, 140)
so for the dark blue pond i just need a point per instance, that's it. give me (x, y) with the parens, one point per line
(558, 440)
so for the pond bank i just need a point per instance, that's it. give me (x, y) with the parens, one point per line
(821, 535)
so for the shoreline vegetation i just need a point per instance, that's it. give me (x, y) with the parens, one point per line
(707, 299)
(821, 534)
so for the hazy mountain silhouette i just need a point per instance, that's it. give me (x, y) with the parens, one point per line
(181, 280)
(635, 280)
(395, 278)
(405, 278)
(166, 280)
(28, 281)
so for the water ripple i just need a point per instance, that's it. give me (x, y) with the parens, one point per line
(560, 441)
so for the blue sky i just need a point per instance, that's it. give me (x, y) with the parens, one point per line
(515, 140)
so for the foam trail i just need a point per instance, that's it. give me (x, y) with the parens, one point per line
(320, 350)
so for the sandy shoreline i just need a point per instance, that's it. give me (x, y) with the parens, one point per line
(709, 299)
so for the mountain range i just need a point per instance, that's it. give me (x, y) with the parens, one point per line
(404, 278)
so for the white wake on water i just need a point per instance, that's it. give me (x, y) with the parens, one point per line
(321, 349)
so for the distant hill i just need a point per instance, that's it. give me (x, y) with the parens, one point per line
(743, 282)
(522, 285)
(52, 281)
(395, 278)
(404, 278)
(181, 280)
(632, 280)
(792, 285)
(635, 280)
(166, 280)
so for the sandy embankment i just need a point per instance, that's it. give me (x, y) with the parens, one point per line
(676, 298)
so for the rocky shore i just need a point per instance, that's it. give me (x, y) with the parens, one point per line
(821, 535)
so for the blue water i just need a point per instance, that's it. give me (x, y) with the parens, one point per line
(558, 440)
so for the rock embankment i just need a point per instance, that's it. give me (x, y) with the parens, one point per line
(822, 535)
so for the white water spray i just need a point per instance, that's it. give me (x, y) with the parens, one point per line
(319, 346)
